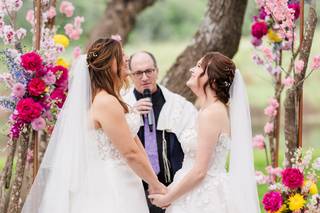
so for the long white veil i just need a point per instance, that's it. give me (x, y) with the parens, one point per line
(241, 169)
(63, 170)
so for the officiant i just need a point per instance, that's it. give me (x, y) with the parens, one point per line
(164, 117)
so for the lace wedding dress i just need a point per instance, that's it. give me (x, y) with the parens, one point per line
(211, 195)
(112, 185)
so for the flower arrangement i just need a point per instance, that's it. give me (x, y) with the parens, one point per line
(38, 91)
(294, 189)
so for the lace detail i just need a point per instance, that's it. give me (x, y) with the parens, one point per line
(106, 150)
(211, 195)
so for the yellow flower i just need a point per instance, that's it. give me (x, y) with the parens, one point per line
(313, 187)
(62, 62)
(61, 39)
(282, 209)
(296, 202)
(273, 36)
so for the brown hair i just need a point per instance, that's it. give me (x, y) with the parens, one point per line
(220, 70)
(100, 57)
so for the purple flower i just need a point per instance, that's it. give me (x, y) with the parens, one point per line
(262, 13)
(292, 178)
(272, 201)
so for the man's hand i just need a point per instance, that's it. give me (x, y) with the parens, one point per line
(143, 106)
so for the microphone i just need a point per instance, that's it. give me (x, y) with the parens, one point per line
(147, 94)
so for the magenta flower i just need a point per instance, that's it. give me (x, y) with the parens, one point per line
(59, 96)
(31, 61)
(262, 13)
(18, 90)
(62, 76)
(272, 201)
(38, 124)
(28, 109)
(296, 8)
(292, 178)
(259, 29)
(36, 87)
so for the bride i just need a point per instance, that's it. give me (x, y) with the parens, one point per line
(203, 184)
(94, 160)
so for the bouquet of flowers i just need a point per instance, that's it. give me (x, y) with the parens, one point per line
(38, 91)
(294, 189)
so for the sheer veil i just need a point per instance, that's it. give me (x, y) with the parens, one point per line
(241, 169)
(63, 171)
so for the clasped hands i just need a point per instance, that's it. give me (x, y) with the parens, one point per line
(159, 196)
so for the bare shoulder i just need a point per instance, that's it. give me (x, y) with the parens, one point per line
(215, 112)
(105, 102)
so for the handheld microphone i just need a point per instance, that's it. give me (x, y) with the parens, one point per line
(147, 94)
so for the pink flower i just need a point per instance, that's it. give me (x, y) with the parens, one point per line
(296, 8)
(49, 78)
(36, 87)
(315, 63)
(66, 8)
(257, 59)
(38, 124)
(79, 20)
(31, 61)
(272, 201)
(256, 41)
(258, 142)
(76, 52)
(268, 53)
(298, 65)
(292, 178)
(28, 109)
(261, 178)
(30, 17)
(62, 76)
(268, 128)
(274, 102)
(259, 29)
(270, 111)
(274, 171)
(75, 34)
(288, 82)
(116, 37)
(74, 30)
(68, 28)
(18, 90)
(51, 12)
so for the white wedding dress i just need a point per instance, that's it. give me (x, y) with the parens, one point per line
(234, 191)
(212, 194)
(112, 186)
(81, 171)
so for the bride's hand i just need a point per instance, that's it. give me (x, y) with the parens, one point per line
(160, 200)
(158, 189)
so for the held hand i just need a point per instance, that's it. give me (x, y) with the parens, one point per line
(160, 200)
(158, 189)
(143, 106)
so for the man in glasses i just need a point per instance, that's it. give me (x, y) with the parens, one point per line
(169, 114)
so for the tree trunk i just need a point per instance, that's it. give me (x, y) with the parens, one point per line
(292, 99)
(219, 31)
(15, 202)
(119, 18)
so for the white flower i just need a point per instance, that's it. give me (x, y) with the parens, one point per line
(316, 164)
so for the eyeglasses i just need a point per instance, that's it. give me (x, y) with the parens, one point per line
(139, 74)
